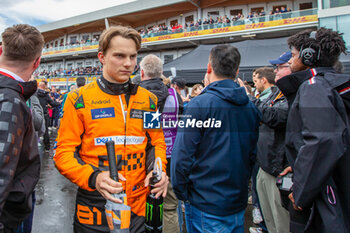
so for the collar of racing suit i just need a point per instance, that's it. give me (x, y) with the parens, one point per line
(127, 88)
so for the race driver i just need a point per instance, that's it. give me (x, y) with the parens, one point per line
(110, 108)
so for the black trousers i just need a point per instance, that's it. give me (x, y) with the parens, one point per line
(47, 135)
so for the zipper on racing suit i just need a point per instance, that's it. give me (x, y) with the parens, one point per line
(124, 117)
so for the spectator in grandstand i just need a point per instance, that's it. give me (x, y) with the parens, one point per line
(277, 11)
(250, 15)
(80, 82)
(197, 168)
(317, 139)
(262, 12)
(94, 114)
(283, 9)
(235, 18)
(226, 19)
(271, 153)
(20, 55)
(45, 100)
(164, 28)
(211, 20)
(205, 22)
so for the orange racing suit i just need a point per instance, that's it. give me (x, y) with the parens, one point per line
(93, 115)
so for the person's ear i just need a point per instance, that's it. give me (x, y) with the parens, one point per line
(101, 57)
(37, 62)
(209, 68)
(0, 50)
(142, 73)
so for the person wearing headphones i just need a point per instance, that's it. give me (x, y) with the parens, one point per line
(317, 138)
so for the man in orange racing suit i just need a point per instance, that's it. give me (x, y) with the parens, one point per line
(110, 108)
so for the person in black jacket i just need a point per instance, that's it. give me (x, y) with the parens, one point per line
(151, 69)
(20, 163)
(271, 153)
(45, 100)
(317, 139)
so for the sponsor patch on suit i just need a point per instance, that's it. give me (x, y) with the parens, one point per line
(101, 113)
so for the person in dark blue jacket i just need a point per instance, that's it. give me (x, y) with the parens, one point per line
(214, 149)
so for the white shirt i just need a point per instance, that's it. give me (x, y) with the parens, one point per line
(15, 76)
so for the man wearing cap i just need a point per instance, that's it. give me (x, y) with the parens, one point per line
(271, 153)
(281, 65)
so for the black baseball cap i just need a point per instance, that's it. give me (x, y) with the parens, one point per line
(180, 82)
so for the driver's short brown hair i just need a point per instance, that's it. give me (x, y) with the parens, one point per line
(126, 32)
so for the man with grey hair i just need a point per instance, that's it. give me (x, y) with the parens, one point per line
(151, 69)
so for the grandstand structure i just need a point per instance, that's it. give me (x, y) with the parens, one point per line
(171, 29)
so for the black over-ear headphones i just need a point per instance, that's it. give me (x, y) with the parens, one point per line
(308, 55)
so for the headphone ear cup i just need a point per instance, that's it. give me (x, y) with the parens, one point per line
(308, 56)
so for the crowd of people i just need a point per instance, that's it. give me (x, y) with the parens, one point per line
(289, 134)
(162, 29)
(95, 70)
(74, 43)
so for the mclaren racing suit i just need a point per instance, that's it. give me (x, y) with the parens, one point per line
(94, 114)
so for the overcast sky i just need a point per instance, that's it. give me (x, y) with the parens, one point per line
(37, 12)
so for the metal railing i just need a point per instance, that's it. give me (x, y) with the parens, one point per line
(69, 46)
(245, 21)
(266, 18)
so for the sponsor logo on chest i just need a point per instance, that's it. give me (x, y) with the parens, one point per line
(106, 101)
(119, 140)
(101, 113)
